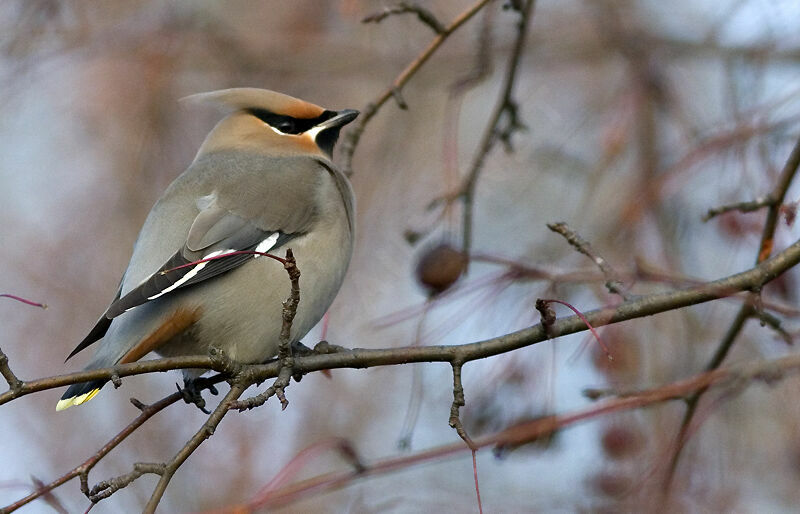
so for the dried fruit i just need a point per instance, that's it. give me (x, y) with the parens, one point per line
(440, 267)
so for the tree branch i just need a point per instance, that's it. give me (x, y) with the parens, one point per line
(206, 431)
(748, 206)
(354, 136)
(506, 105)
(768, 372)
(647, 305)
(424, 15)
(749, 280)
(745, 311)
(613, 281)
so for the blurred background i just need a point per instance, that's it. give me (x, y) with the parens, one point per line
(639, 116)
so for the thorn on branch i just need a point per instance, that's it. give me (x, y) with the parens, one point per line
(424, 15)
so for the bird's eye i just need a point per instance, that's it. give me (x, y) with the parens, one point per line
(286, 126)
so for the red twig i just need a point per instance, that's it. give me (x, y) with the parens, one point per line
(475, 474)
(589, 325)
(23, 300)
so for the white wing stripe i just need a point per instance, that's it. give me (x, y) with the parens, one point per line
(265, 245)
(194, 271)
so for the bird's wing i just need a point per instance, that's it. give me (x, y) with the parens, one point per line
(215, 233)
(218, 241)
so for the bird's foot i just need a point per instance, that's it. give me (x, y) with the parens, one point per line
(192, 392)
(324, 347)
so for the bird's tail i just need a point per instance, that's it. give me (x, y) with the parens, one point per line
(77, 394)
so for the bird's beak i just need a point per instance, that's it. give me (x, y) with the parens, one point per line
(341, 119)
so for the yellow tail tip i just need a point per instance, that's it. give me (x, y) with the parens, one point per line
(66, 403)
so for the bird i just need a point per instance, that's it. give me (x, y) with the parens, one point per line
(262, 180)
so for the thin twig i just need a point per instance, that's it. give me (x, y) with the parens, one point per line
(341, 446)
(424, 15)
(23, 300)
(15, 385)
(613, 281)
(206, 431)
(123, 370)
(285, 357)
(749, 206)
(354, 136)
(505, 106)
(768, 372)
(82, 470)
(458, 402)
(745, 311)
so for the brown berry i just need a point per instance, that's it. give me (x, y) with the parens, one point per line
(619, 442)
(440, 267)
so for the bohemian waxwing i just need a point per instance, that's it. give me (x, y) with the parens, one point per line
(262, 180)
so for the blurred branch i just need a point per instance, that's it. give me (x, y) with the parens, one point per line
(613, 281)
(745, 311)
(341, 446)
(393, 91)
(82, 470)
(749, 206)
(424, 15)
(206, 431)
(505, 106)
(733, 377)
